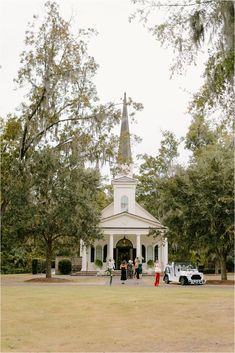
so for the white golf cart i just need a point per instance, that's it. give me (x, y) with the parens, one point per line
(183, 273)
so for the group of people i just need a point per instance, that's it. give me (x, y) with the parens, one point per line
(130, 270)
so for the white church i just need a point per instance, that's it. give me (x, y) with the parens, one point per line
(124, 223)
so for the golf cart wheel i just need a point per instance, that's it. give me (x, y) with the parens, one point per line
(183, 281)
(166, 280)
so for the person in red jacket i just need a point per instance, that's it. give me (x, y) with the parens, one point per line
(157, 274)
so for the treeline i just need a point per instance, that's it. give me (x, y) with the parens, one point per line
(52, 149)
(196, 202)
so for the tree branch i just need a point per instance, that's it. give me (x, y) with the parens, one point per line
(22, 145)
(61, 121)
(64, 142)
(181, 5)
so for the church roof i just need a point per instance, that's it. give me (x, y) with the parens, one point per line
(140, 212)
(122, 218)
(124, 179)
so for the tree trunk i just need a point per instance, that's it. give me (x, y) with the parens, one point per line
(223, 267)
(217, 266)
(227, 11)
(48, 258)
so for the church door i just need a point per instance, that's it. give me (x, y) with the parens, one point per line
(124, 251)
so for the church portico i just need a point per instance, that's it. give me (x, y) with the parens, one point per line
(124, 246)
(125, 224)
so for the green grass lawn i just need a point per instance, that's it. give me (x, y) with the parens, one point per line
(61, 318)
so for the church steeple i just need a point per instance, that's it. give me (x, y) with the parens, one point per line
(124, 153)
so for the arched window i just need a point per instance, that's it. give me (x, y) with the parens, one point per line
(124, 243)
(98, 255)
(143, 253)
(92, 253)
(156, 253)
(124, 203)
(105, 251)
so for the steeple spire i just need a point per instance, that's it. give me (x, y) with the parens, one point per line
(124, 153)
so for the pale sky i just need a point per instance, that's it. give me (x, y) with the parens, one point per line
(130, 60)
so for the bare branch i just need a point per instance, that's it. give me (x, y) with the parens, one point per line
(61, 121)
(23, 141)
(179, 5)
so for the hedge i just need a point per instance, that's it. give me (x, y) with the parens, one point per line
(65, 266)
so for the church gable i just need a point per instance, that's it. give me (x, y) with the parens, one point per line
(127, 220)
(107, 211)
(124, 179)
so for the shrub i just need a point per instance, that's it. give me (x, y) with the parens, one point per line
(98, 263)
(38, 266)
(14, 270)
(15, 260)
(230, 264)
(150, 263)
(34, 266)
(65, 266)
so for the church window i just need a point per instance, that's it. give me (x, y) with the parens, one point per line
(143, 253)
(105, 251)
(124, 204)
(98, 253)
(150, 252)
(92, 253)
(156, 253)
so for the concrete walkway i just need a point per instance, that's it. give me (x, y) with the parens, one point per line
(143, 282)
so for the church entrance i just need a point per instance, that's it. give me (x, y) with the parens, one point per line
(124, 251)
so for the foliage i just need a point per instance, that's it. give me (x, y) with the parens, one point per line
(65, 266)
(190, 28)
(66, 196)
(15, 186)
(62, 104)
(34, 266)
(50, 199)
(15, 260)
(64, 251)
(199, 134)
(154, 169)
(197, 203)
(150, 263)
(98, 263)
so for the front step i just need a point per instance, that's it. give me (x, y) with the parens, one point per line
(93, 273)
(84, 273)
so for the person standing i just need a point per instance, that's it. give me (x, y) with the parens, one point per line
(123, 268)
(157, 274)
(139, 271)
(136, 265)
(110, 269)
(130, 269)
(110, 265)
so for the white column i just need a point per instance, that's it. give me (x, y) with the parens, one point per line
(164, 253)
(111, 246)
(138, 249)
(83, 253)
(160, 253)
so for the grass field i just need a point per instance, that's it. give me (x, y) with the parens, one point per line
(98, 318)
